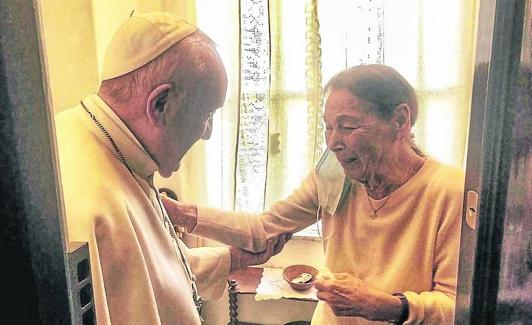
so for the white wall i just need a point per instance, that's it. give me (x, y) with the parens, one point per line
(69, 51)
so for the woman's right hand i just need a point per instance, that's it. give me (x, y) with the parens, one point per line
(241, 258)
(181, 214)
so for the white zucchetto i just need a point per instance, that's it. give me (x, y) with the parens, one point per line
(140, 39)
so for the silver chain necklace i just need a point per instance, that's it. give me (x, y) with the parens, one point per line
(168, 224)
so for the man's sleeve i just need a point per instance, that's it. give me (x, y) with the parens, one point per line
(211, 266)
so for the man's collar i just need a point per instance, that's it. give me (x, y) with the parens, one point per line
(134, 153)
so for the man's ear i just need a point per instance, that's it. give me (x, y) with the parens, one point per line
(156, 104)
(401, 119)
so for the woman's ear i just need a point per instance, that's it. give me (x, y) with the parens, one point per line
(156, 104)
(401, 119)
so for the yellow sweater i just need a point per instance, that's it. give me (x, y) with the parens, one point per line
(137, 276)
(412, 246)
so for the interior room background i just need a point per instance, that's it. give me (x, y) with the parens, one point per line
(278, 55)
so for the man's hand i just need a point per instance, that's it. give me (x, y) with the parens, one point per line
(350, 296)
(181, 214)
(241, 258)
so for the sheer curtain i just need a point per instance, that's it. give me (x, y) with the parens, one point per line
(278, 55)
(268, 135)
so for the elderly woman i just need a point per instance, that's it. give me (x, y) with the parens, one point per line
(391, 215)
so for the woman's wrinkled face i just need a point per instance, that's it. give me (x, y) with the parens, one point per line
(361, 141)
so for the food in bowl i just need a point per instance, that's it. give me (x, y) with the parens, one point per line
(299, 276)
(302, 278)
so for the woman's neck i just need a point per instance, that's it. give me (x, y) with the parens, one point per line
(394, 174)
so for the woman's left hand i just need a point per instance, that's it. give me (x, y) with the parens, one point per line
(350, 296)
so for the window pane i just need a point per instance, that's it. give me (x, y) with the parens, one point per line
(441, 43)
(441, 130)
(364, 32)
(220, 20)
(402, 37)
(291, 37)
(352, 33)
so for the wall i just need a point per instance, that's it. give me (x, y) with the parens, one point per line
(69, 47)
(75, 36)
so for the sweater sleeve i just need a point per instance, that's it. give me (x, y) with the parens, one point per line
(251, 231)
(437, 306)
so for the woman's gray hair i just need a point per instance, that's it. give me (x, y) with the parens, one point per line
(383, 87)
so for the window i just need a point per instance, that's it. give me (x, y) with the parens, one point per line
(279, 54)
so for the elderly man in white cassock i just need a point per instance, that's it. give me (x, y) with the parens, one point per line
(162, 81)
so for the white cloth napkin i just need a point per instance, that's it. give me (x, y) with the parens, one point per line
(273, 286)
